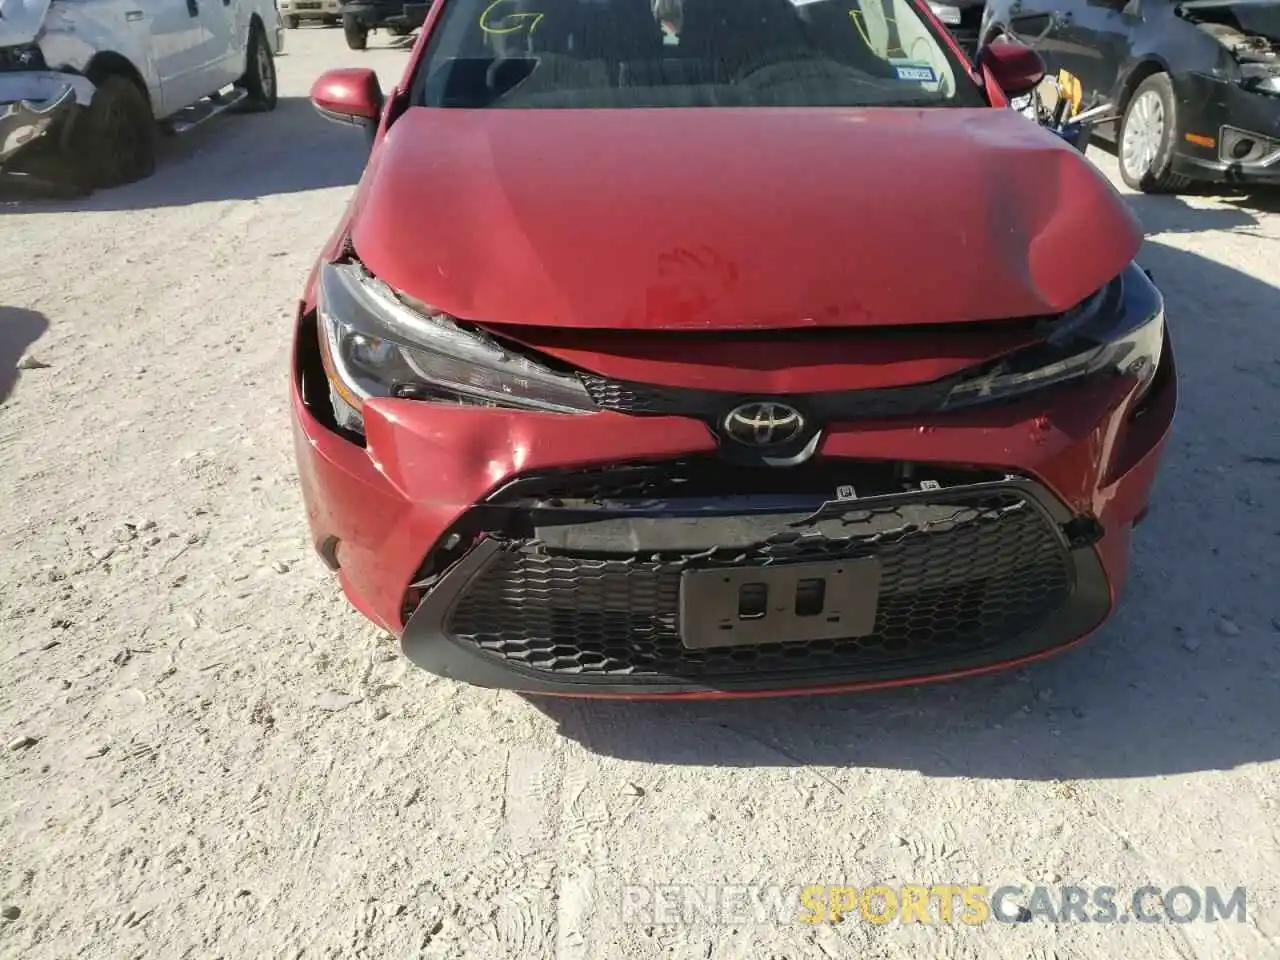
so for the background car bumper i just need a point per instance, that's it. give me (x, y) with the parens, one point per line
(311, 9)
(32, 102)
(1209, 107)
(377, 512)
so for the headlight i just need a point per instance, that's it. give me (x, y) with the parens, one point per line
(378, 344)
(1119, 330)
(1261, 77)
(24, 56)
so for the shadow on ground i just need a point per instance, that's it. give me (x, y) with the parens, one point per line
(234, 157)
(1186, 677)
(19, 329)
(1173, 215)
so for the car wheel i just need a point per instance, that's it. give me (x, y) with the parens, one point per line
(1148, 133)
(357, 33)
(113, 142)
(259, 79)
(291, 23)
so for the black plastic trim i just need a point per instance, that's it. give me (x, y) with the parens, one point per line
(426, 643)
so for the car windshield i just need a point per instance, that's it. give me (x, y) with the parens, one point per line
(689, 53)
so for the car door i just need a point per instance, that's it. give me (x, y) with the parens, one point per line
(222, 42)
(1100, 38)
(1044, 25)
(173, 37)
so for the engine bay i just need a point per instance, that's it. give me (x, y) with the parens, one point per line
(1249, 31)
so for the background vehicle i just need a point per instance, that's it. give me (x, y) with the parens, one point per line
(1195, 86)
(963, 18)
(84, 82)
(361, 17)
(293, 12)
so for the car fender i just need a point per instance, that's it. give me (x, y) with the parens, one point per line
(272, 24)
(1132, 72)
(74, 34)
(1168, 44)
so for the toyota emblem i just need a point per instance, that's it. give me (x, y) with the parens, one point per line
(763, 424)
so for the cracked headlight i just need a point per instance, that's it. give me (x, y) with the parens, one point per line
(378, 344)
(1119, 330)
(1261, 77)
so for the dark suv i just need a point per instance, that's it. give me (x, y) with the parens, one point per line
(359, 17)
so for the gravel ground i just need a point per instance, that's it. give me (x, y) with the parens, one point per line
(205, 753)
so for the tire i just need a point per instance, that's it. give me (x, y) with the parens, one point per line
(259, 79)
(291, 23)
(1147, 136)
(113, 142)
(356, 32)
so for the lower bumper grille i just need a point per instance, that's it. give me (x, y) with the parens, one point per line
(986, 569)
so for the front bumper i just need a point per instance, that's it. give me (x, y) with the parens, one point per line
(433, 536)
(592, 603)
(34, 102)
(311, 9)
(1212, 108)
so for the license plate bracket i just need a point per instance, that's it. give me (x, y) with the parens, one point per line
(749, 606)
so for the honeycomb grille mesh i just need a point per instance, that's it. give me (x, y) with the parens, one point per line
(649, 399)
(991, 571)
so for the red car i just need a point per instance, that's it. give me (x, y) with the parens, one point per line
(746, 347)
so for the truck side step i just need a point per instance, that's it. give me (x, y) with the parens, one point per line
(206, 109)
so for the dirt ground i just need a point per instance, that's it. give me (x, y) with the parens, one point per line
(204, 753)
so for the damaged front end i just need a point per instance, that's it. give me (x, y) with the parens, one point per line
(1248, 32)
(36, 102)
(26, 119)
(1233, 112)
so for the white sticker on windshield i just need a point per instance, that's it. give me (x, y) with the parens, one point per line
(919, 72)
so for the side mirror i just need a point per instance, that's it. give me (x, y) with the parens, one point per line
(349, 95)
(1016, 68)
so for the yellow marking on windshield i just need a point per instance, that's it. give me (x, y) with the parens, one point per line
(511, 23)
(857, 17)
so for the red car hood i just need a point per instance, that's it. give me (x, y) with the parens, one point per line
(701, 219)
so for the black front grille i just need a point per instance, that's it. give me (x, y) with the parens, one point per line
(643, 399)
(980, 574)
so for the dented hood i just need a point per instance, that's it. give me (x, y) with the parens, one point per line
(702, 218)
(21, 20)
(1261, 17)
